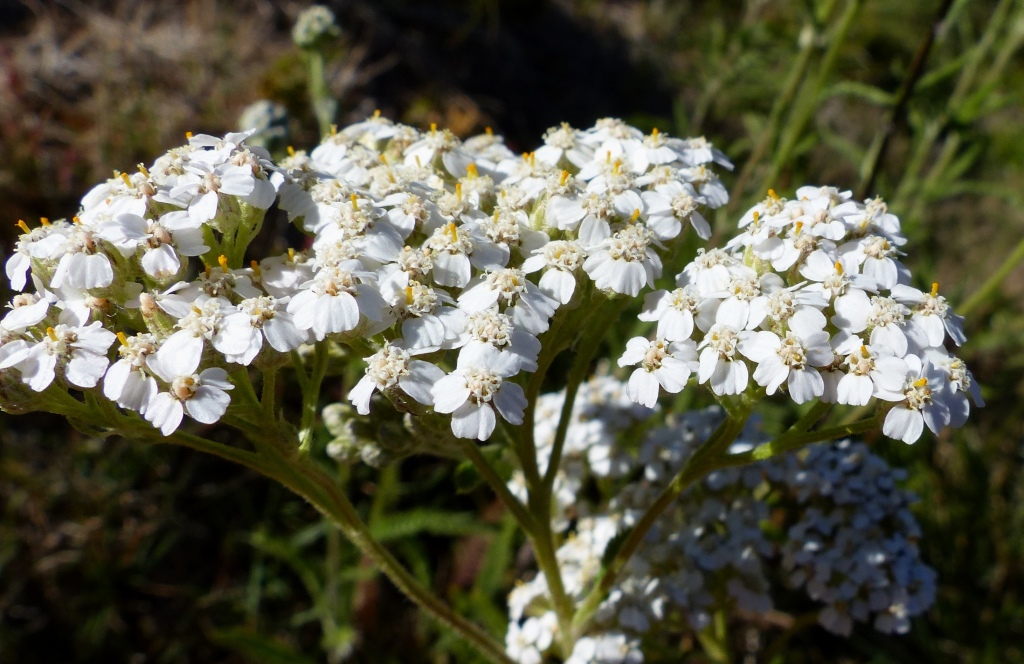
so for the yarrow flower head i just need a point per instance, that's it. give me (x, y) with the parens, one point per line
(445, 283)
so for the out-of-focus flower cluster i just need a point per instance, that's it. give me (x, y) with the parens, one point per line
(810, 299)
(423, 246)
(313, 26)
(850, 542)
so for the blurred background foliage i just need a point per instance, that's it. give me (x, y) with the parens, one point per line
(112, 551)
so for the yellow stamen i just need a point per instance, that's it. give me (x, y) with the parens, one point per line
(471, 171)
(76, 221)
(433, 127)
(196, 310)
(458, 190)
(757, 215)
(452, 231)
(45, 221)
(633, 217)
(384, 160)
(772, 195)
(208, 271)
(488, 131)
(355, 202)
(143, 170)
(222, 260)
(376, 112)
(654, 132)
(188, 135)
(334, 130)
(839, 267)
(50, 332)
(935, 289)
(564, 178)
(23, 226)
(123, 339)
(291, 255)
(255, 267)
(798, 226)
(920, 382)
(291, 151)
(408, 294)
(617, 166)
(864, 351)
(127, 180)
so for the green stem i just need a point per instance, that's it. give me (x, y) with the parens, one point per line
(797, 72)
(543, 547)
(694, 469)
(795, 440)
(525, 519)
(304, 478)
(911, 184)
(242, 381)
(324, 105)
(595, 326)
(300, 370)
(993, 283)
(809, 101)
(876, 153)
(268, 392)
(553, 342)
(714, 639)
(311, 397)
(588, 347)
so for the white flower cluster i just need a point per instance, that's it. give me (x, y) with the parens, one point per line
(119, 265)
(421, 244)
(314, 24)
(433, 242)
(851, 545)
(810, 299)
(854, 547)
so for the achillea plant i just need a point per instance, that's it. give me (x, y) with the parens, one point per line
(450, 275)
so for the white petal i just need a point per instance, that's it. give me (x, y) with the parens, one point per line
(207, 404)
(903, 424)
(85, 369)
(510, 402)
(473, 421)
(165, 413)
(420, 380)
(805, 384)
(449, 393)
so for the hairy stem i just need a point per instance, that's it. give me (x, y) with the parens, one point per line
(311, 396)
(472, 452)
(694, 469)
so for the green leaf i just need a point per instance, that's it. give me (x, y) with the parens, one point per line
(467, 477)
(256, 648)
(491, 577)
(425, 521)
(863, 91)
(939, 74)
